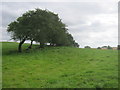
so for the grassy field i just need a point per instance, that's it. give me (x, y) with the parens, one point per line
(59, 67)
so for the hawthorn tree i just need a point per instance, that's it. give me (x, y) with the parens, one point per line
(32, 25)
(22, 28)
(41, 26)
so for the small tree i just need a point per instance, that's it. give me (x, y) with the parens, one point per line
(18, 33)
(109, 47)
(105, 47)
(99, 48)
(87, 47)
(76, 44)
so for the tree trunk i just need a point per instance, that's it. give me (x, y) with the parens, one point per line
(51, 44)
(41, 45)
(20, 45)
(30, 45)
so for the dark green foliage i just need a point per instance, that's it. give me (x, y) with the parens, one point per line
(109, 47)
(118, 47)
(76, 44)
(87, 47)
(104, 46)
(41, 26)
(99, 48)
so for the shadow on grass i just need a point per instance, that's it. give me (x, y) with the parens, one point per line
(25, 51)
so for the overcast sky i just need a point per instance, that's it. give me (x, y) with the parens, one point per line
(91, 23)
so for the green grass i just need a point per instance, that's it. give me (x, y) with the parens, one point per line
(59, 67)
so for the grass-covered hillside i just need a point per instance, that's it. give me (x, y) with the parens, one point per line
(59, 67)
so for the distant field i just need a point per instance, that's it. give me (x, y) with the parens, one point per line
(59, 67)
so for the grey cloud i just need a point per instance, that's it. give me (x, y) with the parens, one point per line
(5, 35)
(7, 18)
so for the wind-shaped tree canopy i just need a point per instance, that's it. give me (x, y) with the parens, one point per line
(42, 26)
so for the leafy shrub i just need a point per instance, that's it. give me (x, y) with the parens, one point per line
(87, 47)
(109, 47)
(99, 48)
